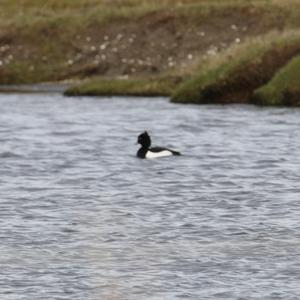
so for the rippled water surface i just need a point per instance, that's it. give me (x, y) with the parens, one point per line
(82, 218)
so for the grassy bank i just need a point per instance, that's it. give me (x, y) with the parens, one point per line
(235, 74)
(150, 42)
(133, 86)
(59, 39)
(283, 89)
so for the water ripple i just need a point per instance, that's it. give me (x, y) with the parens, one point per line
(82, 218)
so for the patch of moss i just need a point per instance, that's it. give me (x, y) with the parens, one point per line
(283, 89)
(162, 86)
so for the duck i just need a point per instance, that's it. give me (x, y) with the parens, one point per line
(155, 152)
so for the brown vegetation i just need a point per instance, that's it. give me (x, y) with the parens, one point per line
(58, 40)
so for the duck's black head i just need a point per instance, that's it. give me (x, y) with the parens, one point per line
(144, 139)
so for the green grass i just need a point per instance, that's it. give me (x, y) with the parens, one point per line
(27, 16)
(283, 88)
(234, 75)
(134, 86)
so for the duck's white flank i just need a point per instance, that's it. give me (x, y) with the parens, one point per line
(163, 153)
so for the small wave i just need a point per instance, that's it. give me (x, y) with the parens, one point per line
(8, 154)
(67, 133)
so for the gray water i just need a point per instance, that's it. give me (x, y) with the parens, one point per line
(82, 218)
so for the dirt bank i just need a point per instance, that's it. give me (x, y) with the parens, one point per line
(157, 40)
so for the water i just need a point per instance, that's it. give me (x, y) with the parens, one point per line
(82, 218)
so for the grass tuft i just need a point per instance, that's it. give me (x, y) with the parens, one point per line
(134, 87)
(283, 88)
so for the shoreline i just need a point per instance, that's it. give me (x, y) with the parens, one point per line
(194, 51)
(34, 88)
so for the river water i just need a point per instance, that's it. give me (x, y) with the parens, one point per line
(82, 218)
